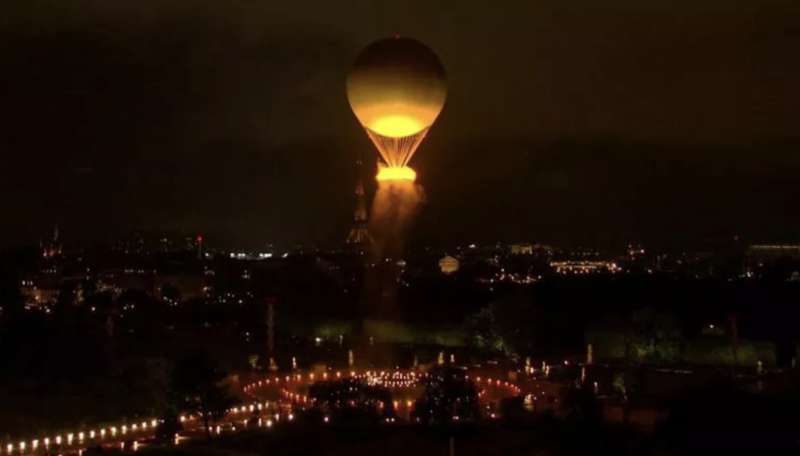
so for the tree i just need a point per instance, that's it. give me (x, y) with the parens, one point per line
(482, 330)
(653, 337)
(528, 324)
(198, 387)
(518, 320)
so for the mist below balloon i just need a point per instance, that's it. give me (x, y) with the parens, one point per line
(393, 210)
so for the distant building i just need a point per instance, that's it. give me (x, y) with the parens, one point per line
(449, 265)
(39, 291)
(522, 249)
(772, 252)
(51, 248)
(131, 279)
(251, 256)
(776, 260)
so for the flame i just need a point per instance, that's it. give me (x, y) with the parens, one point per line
(396, 173)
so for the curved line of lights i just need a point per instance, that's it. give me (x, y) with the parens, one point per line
(391, 379)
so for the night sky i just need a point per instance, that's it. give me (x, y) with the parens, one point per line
(578, 123)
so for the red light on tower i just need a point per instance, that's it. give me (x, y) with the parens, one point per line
(199, 240)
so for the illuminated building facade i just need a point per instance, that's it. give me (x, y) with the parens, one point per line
(779, 261)
(583, 267)
(521, 249)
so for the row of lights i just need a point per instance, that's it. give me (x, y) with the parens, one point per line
(78, 437)
(305, 399)
(396, 379)
(402, 379)
(497, 383)
(391, 379)
(267, 422)
(295, 378)
(71, 438)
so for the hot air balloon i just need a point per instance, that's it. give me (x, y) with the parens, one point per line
(396, 89)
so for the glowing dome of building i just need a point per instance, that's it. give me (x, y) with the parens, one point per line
(449, 265)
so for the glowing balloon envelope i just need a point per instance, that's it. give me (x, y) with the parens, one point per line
(396, 89)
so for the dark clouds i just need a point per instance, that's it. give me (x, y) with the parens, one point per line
(580, 123)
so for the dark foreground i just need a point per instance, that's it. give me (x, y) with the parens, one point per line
(398, 440)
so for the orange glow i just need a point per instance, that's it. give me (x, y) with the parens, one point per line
(396, 173)
(396, 126)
